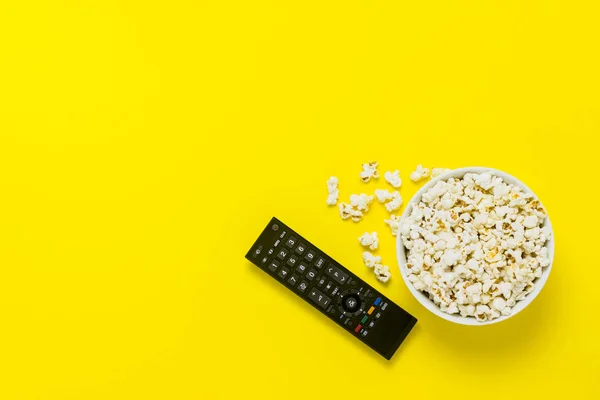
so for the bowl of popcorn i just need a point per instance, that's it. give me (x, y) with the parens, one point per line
(475, 246)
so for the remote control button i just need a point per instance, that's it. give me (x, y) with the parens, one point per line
(365, 332)
(282, 235)
(275, 227)
(349, 323)
(300, 249)
(291, 242)
(378, 315)
(377, 301)
(282, 254)
(321, 282)
(276, 243)
(358, 328)
(320, 262)
(283, 273)
(371, 324)
(384, 306)
(302, 286)
(336, 274)
(274, 265)
(301, 268)
(257, 252)
(271, 251)
(319, 298)
(292, 261)
(293, 280)
(310, 255)
(328, 286)
(351, 302)
(335, 291)
(371, 310)
(264, 261)
(311, 274)
(364, 319)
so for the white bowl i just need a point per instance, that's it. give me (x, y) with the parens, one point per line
(423, 298)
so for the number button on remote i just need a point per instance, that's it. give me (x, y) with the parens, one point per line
(274, 265)
(282, 254)
(310, 255)
(300, 249)
(283, 273)
(291, 242)
(292, 261)
(293, 280)
(311, 274)
(301, 268)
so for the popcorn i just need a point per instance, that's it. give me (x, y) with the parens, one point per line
(419, 174)
(361, 201)
(393, 178)
(382, 273)
(531, 221)
(435, 172)
(475, 245)
(359, 204)
(369, 171)
(383, 195)
(393, 223)
(370, 260)
(332, 191)
(347, 211)
(395, 203)
(369, 240)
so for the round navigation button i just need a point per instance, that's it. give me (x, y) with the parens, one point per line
(351, 303)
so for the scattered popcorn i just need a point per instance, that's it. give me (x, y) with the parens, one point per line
(382, 273)
(393, 178)
(369, 171)
(395, 203)
(361, 201)
(393, 223)
(332, 191)
(435, 172)
(347, 211)
(359, 204)
(369, 240)
(371, 260)
(475, 245)
(383, 195)
(419, 174)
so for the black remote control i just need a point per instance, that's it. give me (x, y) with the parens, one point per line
(331, 288)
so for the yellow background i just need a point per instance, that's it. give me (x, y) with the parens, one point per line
(144, 145)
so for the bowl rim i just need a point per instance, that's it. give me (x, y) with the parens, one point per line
(539, 283)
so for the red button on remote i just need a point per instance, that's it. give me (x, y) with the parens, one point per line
(358, 327)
